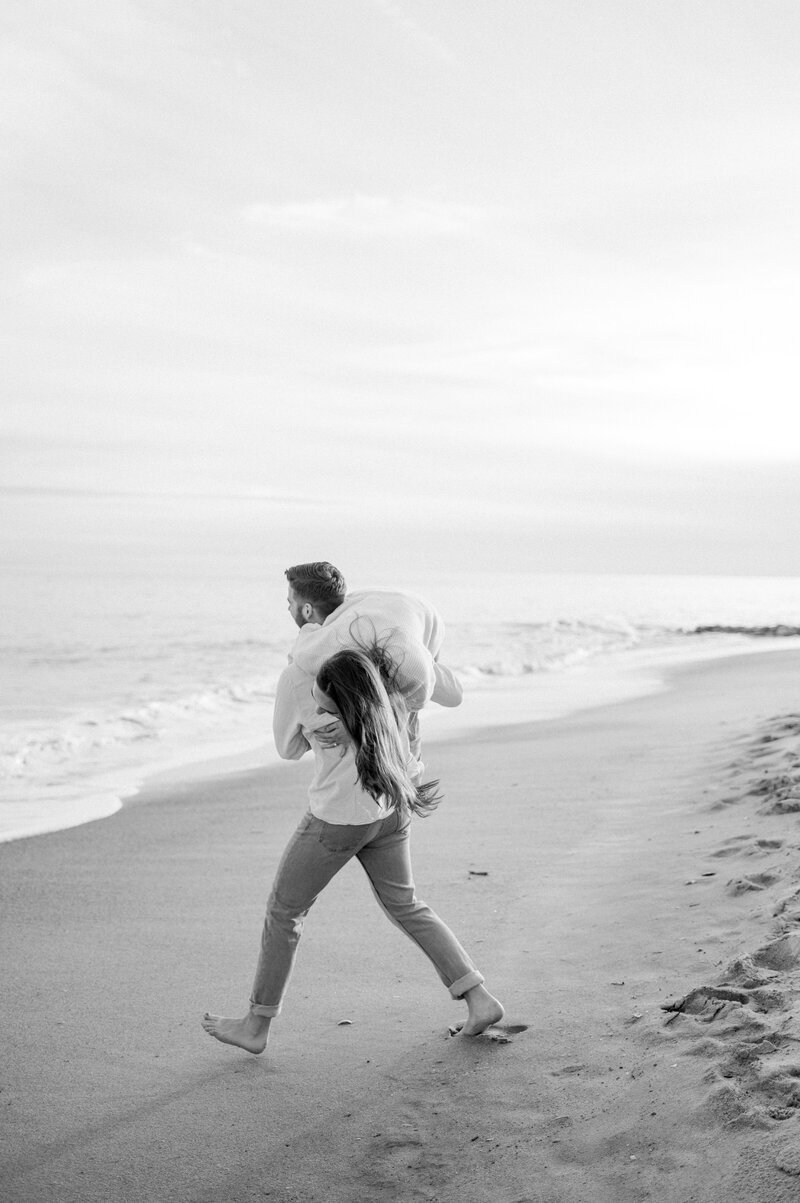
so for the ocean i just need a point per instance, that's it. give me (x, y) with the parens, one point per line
(124, 656)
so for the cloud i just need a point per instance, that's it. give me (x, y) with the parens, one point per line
(415, 33)
(362, 216)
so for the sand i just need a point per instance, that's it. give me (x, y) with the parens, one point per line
(600, 867)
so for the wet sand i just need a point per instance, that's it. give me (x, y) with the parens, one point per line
(600, 867)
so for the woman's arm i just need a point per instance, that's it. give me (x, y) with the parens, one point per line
(333, 735)
(447, 690)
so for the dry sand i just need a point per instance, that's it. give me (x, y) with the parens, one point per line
(598, 866)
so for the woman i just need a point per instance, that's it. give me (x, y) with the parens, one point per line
(362, 796)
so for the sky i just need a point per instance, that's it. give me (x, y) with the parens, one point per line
(513, 279)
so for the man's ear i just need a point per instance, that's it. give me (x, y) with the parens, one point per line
(308, 612)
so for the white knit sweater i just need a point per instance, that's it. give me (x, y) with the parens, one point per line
(409, 628)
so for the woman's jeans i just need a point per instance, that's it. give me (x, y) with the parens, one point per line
(315, 854)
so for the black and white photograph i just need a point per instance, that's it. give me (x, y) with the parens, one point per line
(400, 601)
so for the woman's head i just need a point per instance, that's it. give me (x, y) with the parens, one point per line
(351, 686)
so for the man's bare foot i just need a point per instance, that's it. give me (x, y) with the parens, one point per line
(484, 1010)
(249, 1033)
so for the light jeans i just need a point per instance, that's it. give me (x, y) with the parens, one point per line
(314, 855)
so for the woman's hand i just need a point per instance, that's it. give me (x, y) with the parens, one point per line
(333, 735)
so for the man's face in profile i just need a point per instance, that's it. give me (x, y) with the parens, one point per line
(295, 607)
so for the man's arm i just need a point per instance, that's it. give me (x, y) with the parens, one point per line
(286, 728)
(414, 737)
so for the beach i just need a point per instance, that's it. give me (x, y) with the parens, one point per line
(626, 876)
(139, 671)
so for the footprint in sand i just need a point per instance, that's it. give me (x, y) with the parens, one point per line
(732, 847)
(703, 998)
(746, 1023)
(789, 805)
(498, 1033)
(788, 908)
(744, 974)
(782, 954)
(788, 1159)
(736, 847)
(502, 1033)
(755, 1074)
(758, 881)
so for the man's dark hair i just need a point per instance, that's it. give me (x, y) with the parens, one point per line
(319, 583)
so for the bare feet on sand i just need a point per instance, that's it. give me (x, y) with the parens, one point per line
(249, 1033)
(484, 1010)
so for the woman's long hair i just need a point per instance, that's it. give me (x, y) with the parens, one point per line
(361, 686)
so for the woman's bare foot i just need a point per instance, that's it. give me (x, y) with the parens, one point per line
(484, 1010)
(249, 1033)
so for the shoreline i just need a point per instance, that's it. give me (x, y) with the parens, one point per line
(600, 680)
(599, 866)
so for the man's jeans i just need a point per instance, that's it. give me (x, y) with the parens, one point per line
(315, 854)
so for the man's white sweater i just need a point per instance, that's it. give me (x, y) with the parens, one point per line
(410, 630)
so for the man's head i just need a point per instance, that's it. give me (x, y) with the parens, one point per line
(315, 590)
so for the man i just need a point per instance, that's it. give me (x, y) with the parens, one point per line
(406, 627)
(345, 820)
(315, 591)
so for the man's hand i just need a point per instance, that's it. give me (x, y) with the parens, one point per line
(333, 735)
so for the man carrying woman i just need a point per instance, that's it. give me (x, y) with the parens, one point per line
(353, 712)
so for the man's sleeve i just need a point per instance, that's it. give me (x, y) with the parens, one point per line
(447, 690)
(286, 728)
